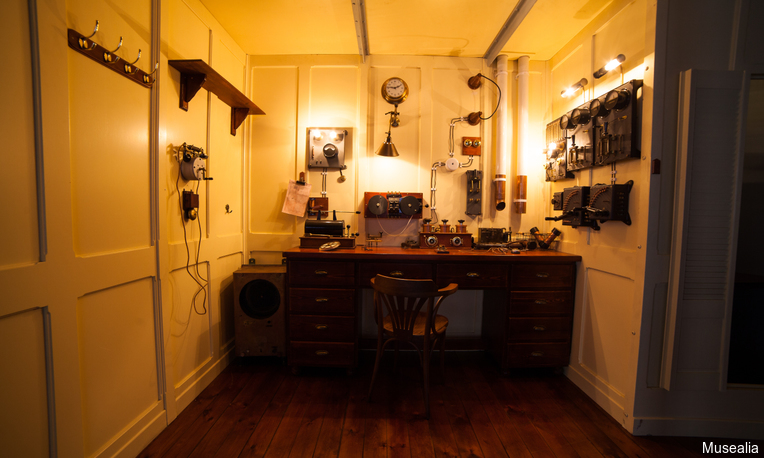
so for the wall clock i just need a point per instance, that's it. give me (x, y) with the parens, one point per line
(395, 90)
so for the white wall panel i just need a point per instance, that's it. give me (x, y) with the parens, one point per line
(189, 345)
(110, 159)
(18, 188)
(399, 173)
(605, 334)
(118, 362)
(23, 398)
(225, 150)
(273, 148)
(227, 265)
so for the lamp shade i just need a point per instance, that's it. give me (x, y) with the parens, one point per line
(387, 149)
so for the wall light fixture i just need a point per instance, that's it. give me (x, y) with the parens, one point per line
(388, 149)
(572, 90)
(610, 66)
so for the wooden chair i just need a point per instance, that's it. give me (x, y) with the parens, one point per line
(412, 316)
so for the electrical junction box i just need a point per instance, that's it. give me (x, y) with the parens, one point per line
(327, 147)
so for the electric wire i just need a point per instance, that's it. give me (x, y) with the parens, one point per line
(398, 234)
(497, 102)
(188, 252)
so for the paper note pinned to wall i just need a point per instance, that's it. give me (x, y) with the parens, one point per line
(296, 201)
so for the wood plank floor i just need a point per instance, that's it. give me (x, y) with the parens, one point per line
(259, 409)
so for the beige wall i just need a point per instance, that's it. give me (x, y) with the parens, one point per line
(99, 326)
(608, 297)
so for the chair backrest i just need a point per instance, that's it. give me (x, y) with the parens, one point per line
(403, 299)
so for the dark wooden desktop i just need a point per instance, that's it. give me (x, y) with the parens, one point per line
(527, 305)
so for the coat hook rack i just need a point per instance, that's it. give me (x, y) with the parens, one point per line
(89, 48)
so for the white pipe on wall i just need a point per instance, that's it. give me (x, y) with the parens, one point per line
(502, 134)
(522, 130)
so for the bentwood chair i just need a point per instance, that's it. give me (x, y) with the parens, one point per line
(407, 311)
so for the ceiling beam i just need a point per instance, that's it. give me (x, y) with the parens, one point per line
(517, 16)
(359, 14)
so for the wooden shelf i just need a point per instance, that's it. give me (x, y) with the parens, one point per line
(196, 74)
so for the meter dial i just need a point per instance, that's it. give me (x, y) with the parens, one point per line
(395, 90)
(597, 109)
(565, 122)
(456, 241)
(617, 99)
(580, 116)
(431, 241)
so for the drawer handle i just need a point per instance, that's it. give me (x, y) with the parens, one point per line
(321, 327)
(539, 328)
(542, 275)
(322, 299)
(321, 352)
(396, 273)
(473, 274)
(321, 272)
(537, 354)
(541, 302)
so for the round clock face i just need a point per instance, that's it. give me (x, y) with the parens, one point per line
(395, 90)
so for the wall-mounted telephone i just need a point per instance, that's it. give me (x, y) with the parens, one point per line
(192, 166)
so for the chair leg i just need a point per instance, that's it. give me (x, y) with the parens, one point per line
(443, 356)
(426, 381)
(377, 359)
(395, 358)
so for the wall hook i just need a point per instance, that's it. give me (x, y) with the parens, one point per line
(94, 31)
(83, 41)
(109, 55)
(147, 76)
(227, 209)
(129, 67)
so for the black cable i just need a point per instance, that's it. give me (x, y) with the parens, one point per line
(497, 102)
(188, 252)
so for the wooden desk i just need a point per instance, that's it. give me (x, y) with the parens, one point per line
(527, 305)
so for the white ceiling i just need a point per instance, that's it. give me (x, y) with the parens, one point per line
(401, 27)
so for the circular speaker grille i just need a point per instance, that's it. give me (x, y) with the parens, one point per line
(259, 299)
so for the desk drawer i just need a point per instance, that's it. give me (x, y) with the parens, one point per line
(321, 273)
(539, 329)
(322, 328)
(542, 276)
(473, 275)
(540, 303)
(321, 354)
(315, 301)
(409, 270)
(538, 354)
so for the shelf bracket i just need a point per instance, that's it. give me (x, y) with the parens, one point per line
(190, 83)
(238, 115)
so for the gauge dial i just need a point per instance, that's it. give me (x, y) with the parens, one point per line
(395, 90)
(597, 109)
(617, 99)
(565, 122)
(580, 116)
